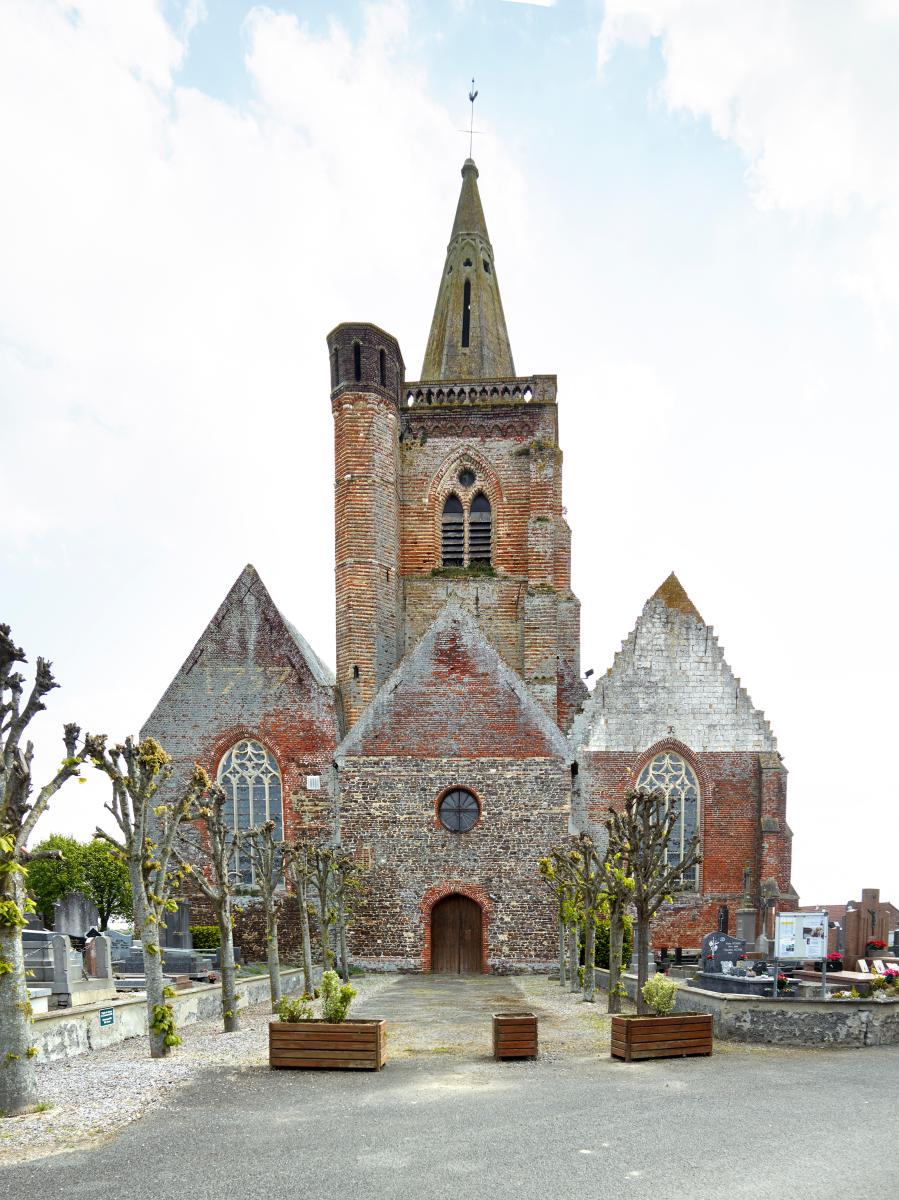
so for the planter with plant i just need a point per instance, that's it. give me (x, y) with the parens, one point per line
(874, 946)
(664, 1034)
(834, 962)
(301, 1041)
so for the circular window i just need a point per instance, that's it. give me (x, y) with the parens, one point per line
(459, 811)
(466, 477)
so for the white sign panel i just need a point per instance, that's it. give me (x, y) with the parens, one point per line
(800, 935)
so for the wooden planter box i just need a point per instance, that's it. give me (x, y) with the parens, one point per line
(514, 1035)
(350, 1046)
(661, 1037)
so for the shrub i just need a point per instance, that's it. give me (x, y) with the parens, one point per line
(660, 993)
(294, 1009)
(878, 983)
(336, 998)
(206, 937)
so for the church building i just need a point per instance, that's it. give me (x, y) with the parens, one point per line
(457, 742)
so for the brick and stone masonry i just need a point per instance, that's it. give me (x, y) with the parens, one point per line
(453, 715)
(670, 688)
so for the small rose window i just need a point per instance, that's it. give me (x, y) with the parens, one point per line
(459, 811)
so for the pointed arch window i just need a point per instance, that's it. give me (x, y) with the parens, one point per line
(672, 776)
(480, 520)
(452, 533)
(466, 529)
(250, 779)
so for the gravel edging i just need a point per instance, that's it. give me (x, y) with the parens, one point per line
(94, 1096)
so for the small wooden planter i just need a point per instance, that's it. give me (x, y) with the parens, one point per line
(514, 1035)
(307, 1045)
(661, 1037)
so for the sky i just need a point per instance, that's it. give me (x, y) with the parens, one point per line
(694, 207)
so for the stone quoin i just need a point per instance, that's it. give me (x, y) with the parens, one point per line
(457, 742)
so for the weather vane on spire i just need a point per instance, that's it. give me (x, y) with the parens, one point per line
(472, 96)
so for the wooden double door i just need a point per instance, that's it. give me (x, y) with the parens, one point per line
(456, 936)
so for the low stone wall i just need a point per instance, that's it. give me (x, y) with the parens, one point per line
(851, 1023)
(64, 1033)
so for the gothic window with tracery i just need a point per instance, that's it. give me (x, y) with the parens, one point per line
(250, 779)
(466, 527)
(673, 776)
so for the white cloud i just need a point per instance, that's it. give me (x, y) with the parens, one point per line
(809, 93)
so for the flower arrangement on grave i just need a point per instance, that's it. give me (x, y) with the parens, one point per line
(834, 961)
(875, 944)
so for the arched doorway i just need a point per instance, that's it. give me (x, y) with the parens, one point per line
(456, 937)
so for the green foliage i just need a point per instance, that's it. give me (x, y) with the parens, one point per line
(95, 868)
(336, 998)
(660, 993)
(602, 942)
(295, 1009)
(163, 1023)
(878, 983)
(206, 937)
(11, 916)
(49, 879)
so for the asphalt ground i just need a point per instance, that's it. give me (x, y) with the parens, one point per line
(453, 1123)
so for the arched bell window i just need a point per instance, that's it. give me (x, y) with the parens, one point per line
(466, 526)
(452, 533)
(250, 779)
(479, 530)
(671, 775)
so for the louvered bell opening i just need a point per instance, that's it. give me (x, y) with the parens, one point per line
(452, 541)
(480, 530)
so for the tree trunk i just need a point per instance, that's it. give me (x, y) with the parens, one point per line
(325, 929)
(149, 940)
(616, 940)
(561, 950)
(226, 957)
(341, 930)
(590, 959)
(642, 943)
(274, 958)
(18, 1082)
(573, 958)
(303, 898)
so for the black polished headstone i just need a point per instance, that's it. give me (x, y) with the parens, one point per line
(718, 948)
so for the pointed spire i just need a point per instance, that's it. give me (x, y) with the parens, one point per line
(672, 595)
(468, 338)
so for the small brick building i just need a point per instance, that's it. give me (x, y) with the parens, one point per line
(457, 742)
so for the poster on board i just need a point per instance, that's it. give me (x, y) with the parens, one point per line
(800, 935)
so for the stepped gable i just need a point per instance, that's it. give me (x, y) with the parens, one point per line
(454, 697)
(670, 679)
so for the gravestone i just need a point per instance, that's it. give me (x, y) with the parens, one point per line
(718, 948)
(176, 933)
(75, 914)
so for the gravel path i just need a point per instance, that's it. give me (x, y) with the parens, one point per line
(93, 1096)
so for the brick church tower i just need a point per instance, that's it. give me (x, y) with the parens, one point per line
(450, 489)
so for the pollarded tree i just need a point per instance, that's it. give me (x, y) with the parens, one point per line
(589, 880)
(267, 855)
(301, 865)
(346, 884)
(557, 878)
(18, 817)
(149, 827)
(209, 852)
(640, 835)
(618, 893)
(324, 859)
